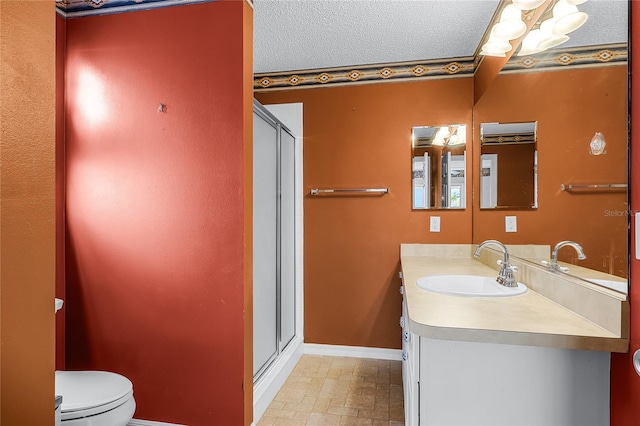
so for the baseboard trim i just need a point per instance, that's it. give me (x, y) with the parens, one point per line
(352, 351)
(136, 422)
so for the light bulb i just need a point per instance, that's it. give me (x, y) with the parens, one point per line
(509, 30)
(510, 25)
(567, 17)
(530, 43)
(509, 13)
(549, 37)
(496, 48)
(443, 132)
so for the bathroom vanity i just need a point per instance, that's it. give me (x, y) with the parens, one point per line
(540, 358)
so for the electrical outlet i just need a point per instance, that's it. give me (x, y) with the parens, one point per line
(434, 224)
(510, 224)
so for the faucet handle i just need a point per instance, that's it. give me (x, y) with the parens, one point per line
(553, 266)
(507, 265)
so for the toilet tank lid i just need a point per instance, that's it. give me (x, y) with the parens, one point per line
(81, 390)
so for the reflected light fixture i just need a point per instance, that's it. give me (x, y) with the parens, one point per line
(550, 37)
(530, 43)
(553, 31)
(567, 17)
(529, 4)
(459, 137)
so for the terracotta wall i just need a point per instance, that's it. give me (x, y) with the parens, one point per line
(569, 106)
(27, 212)
(625, 383)
(247, 120)
(156, 232)
(360, 137)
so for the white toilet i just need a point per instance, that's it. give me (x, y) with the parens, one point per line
(94, 398)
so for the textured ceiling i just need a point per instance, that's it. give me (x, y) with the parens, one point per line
(294, 35)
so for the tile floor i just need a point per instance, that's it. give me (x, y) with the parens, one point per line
(324, 390)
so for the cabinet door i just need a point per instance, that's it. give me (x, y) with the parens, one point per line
(287, 238)
(265, 196)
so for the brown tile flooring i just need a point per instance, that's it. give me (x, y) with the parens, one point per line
(324, 390)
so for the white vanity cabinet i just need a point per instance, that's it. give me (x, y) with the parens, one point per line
(450, 382)
(410, 369)
(540, 358)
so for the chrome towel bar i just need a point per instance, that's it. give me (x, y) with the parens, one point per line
(352, 190)
(599, 187)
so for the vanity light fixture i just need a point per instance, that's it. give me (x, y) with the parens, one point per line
(553, 31)
(508, 28)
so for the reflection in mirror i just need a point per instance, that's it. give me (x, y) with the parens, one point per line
(570, 106)
(439, 167)
(509, 163)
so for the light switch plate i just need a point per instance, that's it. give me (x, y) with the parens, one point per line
(434, 224)
(510, 224)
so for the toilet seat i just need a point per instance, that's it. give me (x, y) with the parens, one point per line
(91, 393)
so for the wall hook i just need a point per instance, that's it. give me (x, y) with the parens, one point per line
(162, 108)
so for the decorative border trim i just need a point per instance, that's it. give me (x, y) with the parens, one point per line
(577, 57)
(79, 8)
(404, 71)
(352, 351)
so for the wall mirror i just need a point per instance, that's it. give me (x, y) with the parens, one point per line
(581, 193)
(508, 166)
(439, 167)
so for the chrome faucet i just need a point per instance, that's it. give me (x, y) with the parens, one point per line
(505, 276)
(553, 264)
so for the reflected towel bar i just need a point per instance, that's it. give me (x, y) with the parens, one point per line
(570, 188)
(354, 190)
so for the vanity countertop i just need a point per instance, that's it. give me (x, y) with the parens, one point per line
(528, 319)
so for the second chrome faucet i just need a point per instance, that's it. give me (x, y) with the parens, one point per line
(553, 264)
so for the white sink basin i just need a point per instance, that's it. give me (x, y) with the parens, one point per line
(468, 285)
